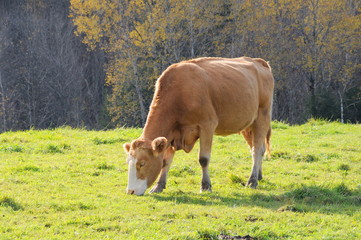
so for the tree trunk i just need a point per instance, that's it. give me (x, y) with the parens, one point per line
(313, 95)
(139, 92)
(191, 32)
(3, 107)
(341, 107)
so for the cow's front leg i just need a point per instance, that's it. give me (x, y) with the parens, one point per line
(206, 181)
(204, 158)
(167, 161)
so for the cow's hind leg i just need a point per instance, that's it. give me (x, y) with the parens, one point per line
(256, 175)
(248, 136)
(260, 129)
(167, 161)
(206, 137)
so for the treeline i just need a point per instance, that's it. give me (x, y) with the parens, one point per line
(104, 76)
(47, 76)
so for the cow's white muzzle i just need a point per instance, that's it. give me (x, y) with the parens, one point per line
(136, 185)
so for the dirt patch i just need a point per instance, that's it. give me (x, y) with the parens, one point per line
(289, 208)
(247, 237)
(252, 218)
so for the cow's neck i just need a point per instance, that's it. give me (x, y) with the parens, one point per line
(158, 126)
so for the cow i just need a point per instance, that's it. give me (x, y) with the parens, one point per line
(196, 99)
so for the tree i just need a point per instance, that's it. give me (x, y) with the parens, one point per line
(307, 43)
(48, 78)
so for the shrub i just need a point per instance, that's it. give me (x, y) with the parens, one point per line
(207, 235)
(306, 158)
(236, 179)
(344, 167)
(15, 148)
(343, 190)
(10, 203)
(105, 166)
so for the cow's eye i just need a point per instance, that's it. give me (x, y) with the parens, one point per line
(141, 164)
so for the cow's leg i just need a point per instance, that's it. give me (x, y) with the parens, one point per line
(259, 133)
(205, 148)
(167, 161)
(247, 134)
(257, 155)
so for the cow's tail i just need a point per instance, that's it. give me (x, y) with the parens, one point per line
(268, 143)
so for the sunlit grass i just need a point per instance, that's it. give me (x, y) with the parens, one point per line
(70, 184)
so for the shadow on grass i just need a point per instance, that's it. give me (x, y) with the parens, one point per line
(302, 199)
(10, 203)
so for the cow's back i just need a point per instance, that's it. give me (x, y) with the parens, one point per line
(226, 91)
(234, 91)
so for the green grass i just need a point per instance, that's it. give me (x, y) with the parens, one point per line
(70, 184)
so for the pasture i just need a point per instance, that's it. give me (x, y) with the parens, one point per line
(70, 184)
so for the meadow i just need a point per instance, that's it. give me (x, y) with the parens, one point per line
(70, 184)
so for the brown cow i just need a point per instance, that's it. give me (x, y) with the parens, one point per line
(197, 99)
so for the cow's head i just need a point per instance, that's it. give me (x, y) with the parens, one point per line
(145, 160)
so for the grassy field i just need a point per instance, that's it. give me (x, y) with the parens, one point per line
(70, 184)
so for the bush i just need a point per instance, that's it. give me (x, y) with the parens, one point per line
(10, 203)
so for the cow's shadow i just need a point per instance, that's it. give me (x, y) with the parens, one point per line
(312, 198)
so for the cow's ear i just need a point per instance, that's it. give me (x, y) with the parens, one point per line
(126, 147)
(137, 143)
(159, 144)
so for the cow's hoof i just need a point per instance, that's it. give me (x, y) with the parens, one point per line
(158, 188)
(206, 190)
(252, 183)
(206, 187)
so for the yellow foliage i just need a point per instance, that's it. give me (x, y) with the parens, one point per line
(142, 37)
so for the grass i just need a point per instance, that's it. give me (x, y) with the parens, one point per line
(70, 184)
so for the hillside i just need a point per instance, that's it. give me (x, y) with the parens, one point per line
(70, 184)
